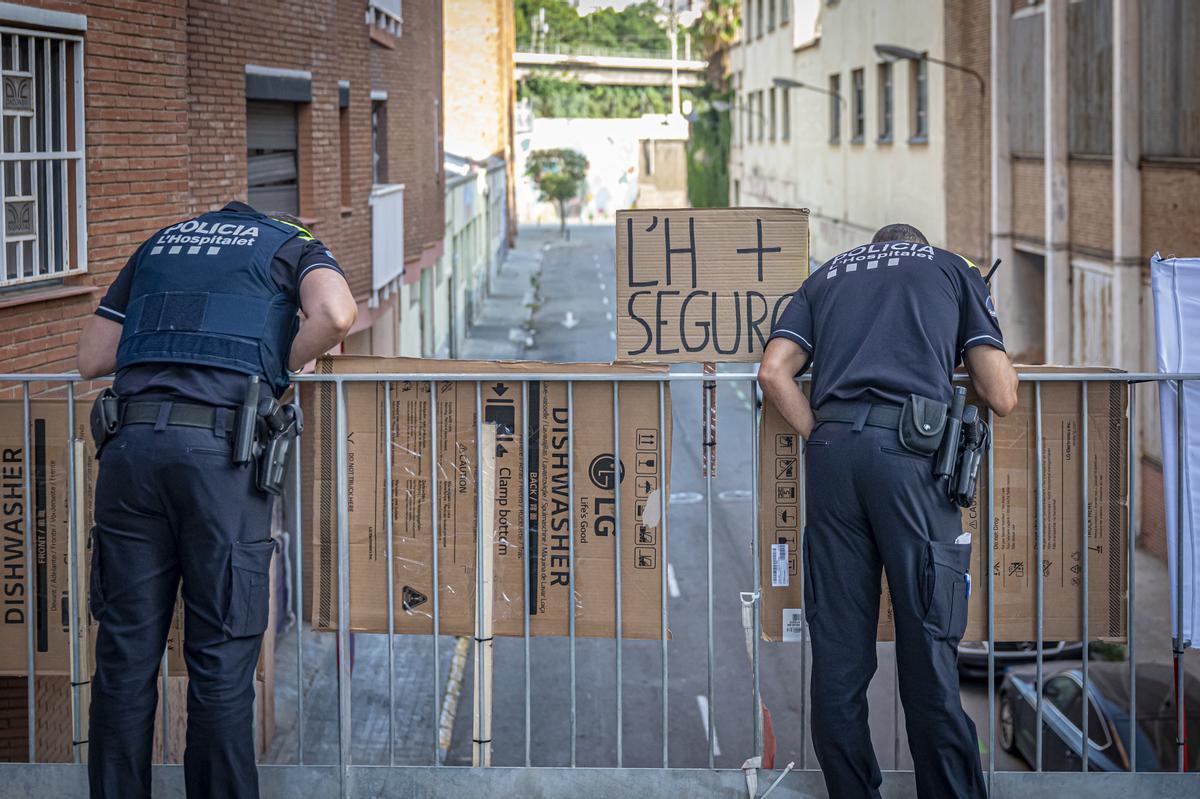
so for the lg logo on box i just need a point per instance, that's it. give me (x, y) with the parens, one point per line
(605, 477)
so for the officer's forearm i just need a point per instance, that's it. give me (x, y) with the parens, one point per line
(317, 336)
(785, 394)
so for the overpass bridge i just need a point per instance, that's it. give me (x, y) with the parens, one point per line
(597, 68)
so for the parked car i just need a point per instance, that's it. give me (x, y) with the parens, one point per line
(1108, 718)
(973, 655)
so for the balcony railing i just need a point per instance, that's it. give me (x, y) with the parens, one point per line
(387, 239)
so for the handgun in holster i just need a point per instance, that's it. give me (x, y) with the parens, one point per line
(105, 418)
(966, 438)
(265, 433)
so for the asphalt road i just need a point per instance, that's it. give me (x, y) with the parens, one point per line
(577, 280)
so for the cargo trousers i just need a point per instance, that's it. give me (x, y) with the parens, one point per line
(873, 505)
(171, 505)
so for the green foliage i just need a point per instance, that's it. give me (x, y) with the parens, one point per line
(634, 27)
(708, 154)
(559, 174)
(554, 97)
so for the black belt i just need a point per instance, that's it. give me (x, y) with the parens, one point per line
(182, 414)
(844, 411)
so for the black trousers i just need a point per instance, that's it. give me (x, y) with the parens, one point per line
(873, 505)
(170, 505)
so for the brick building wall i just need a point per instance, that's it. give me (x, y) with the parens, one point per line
(1091, 208)
(411, 74)
(478, 84)
(165, 136)
(136, 110)
(968, 129)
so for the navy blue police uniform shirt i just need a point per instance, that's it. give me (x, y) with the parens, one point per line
(210, 385)
(886, 320)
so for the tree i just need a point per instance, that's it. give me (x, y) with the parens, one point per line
(716, 29)
(559, 175)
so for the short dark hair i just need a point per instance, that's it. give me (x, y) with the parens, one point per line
(287, 218)
(899, 232)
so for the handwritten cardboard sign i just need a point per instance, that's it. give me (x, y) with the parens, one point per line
(705, 284)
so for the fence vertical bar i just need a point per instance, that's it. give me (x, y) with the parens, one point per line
(298, 591)
(525, 551)
(571, 554)
(895, 708)
(754, 557)
(343, 598)
(990, 541)
(802, 474)
(30, 704)
(662, 566)
(1180, 517)
(1132, 547)
(482, 597)
(1038, 533)
(1084, 550)
(73, 577)
(710, 460)
(391, 570)
(165, 706)
(437, 586)
(616, 387)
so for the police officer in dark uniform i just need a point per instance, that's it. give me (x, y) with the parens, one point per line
(203, 311)
(881, 324)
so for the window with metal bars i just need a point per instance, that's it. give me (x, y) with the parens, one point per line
(42, 180)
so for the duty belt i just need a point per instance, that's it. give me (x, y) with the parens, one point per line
(887, 416)
(182, 414)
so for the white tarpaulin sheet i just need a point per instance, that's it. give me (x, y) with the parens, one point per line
(1176, 286)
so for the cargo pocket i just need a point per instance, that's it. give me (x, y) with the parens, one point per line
(945, 589)
(95, 579)
(810, 590)
(250, 588)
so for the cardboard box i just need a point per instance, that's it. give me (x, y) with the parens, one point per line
(50, 463)
(1015, 452)
(545, 417)
(682, 274)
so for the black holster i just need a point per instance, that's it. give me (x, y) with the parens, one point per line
(278, 431)
(105, 418)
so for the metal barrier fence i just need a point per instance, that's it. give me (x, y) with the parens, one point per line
(322, 779)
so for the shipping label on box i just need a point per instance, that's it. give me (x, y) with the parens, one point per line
(705, 284)
(1014, 521)
(550, 475)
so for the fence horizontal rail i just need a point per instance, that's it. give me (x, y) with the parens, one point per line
(348, 773)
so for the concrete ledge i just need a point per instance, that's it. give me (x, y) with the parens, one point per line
(22, 781)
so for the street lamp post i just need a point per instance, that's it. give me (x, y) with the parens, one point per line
(894, 52)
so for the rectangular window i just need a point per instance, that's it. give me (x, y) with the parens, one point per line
(859, 120)
(771, 15)
(771, 95)
(785, 11)
(885, 102)
(919, 82)
(835, 109)
(748, 19)
(344, 146)
(41, 139)
(379, 159)
(785, 113)
(272, 164)
(758, 21)
(762, 116)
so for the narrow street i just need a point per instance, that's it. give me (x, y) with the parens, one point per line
(573, 323)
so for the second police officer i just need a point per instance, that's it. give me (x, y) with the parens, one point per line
(883, 327)
(202, 328)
